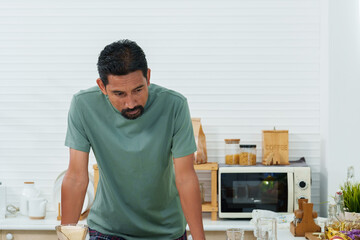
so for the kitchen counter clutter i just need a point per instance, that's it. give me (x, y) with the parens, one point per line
(219, 227)
(222, 224)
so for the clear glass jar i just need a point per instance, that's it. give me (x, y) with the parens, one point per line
(232, 151)
(332, 221)
(339, 201)
(2, 201)
(247, 155)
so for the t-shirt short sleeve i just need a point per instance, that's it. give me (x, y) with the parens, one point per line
(76, 137)
(183, 142)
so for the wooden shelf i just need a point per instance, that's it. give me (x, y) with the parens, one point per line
(207, 207)
(207, 166)
(213, 205)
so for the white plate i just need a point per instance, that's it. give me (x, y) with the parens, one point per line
(89, 197)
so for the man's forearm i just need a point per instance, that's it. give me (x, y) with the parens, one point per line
(189, 193)
(73, 191)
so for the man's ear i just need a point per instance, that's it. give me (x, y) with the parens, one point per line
(148, 76)
(101, 86)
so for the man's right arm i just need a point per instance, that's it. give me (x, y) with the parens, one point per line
(74, 186)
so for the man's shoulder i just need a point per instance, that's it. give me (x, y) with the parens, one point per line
(166, 93)
(90, 92)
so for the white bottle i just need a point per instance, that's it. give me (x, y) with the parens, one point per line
(29, 191)
(2, 201)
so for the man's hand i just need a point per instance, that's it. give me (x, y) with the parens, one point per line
(188, 187)
(74, 185)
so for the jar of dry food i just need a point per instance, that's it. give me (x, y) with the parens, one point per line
(232, 151)
(247, 155)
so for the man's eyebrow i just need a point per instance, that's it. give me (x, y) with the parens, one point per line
(139, 87)
(117, 91)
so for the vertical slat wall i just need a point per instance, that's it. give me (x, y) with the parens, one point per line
(244, 65)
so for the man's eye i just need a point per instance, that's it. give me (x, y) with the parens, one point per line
(138, 90)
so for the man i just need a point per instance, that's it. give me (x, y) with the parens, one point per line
(142, 137)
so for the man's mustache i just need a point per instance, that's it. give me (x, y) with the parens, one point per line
(131, 109)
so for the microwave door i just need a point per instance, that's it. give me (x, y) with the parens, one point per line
(242, 192)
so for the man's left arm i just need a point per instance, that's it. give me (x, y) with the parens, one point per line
(188, 187)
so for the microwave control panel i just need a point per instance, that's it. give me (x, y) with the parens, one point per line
(302, 184)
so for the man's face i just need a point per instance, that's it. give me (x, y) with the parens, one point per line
(127, 93)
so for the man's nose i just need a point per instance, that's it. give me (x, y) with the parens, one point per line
(130, 102)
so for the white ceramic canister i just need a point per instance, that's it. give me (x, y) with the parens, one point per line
(29, 191)
(2, 200)
(37, 208)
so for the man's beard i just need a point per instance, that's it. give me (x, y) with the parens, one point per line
(126, 112)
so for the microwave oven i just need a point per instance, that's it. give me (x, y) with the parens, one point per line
(276, 188)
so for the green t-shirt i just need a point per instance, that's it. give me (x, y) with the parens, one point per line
(136, 196)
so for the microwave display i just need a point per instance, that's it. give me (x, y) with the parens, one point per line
(247, 191)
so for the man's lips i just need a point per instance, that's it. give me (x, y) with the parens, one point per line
(133, 112)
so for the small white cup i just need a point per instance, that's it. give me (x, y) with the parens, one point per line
(37, 208)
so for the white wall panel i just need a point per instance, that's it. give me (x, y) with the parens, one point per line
(244, 65)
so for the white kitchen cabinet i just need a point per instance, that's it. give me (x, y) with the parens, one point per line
(28, 235)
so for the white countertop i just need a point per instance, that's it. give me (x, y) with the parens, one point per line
(20, 222)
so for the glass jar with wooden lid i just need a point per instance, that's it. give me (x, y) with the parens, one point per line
(232, 151)
(247, 154)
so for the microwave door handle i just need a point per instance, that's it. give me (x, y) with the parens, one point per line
(290, 192)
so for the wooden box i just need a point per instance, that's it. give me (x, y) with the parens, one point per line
(275, 147)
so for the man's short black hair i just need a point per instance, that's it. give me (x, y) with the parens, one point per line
(121, 58)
